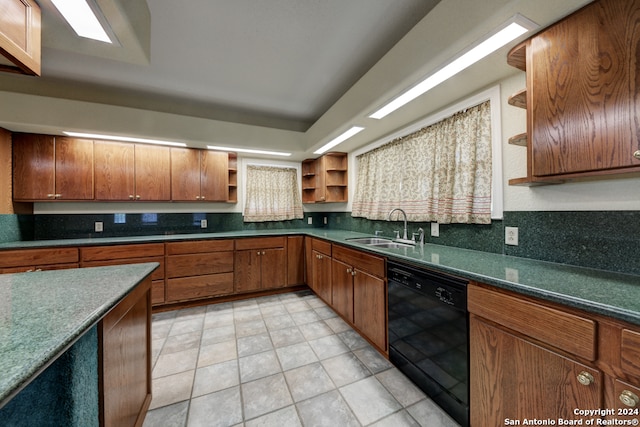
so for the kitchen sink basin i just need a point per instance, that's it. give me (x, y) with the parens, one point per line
(392, 245)
(370, 240)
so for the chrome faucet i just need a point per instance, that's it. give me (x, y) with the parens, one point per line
(404, 234)
(419, 235)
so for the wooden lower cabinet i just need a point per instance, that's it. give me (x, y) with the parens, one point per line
(260, 263)
(199, 269)
(342, 289)
(99, 256)
(27, 260)
(295, 260)
(536, 360)
(124, 335)
(514, 379)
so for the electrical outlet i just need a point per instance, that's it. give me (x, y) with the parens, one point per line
(511, 236)
(511, 274)
(325, 220)
(98, 226)
(203, 223)
(435, 229)
(309, 220)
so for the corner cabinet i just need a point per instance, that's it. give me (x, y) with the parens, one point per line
(324, 180)
(581, 95)
(530, 359)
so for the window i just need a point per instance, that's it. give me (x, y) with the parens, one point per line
(272, 194)
(442, 172)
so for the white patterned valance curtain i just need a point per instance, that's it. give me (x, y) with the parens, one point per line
(441, 173)
(272, 194)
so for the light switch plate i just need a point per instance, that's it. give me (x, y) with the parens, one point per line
(309, 220)
(435, 229)
(98, 226)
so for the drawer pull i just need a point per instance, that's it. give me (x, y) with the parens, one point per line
(585, 378)
(636, 154)
(629, 398)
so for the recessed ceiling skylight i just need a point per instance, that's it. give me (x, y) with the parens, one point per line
(82, 19)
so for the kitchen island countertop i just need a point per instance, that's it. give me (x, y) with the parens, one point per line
(43, 313)
(607, 293)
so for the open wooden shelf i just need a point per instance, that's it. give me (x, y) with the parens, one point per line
(520, 139)
(519, 99)
(517, 57)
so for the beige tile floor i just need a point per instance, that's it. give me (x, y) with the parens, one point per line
(283, 360)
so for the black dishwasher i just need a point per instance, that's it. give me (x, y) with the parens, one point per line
(428, 334)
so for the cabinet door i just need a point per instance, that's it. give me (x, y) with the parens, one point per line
(74, 168)
(582, 78)
(114, 170)
(214, 178)
(33, 167)
(273, 268)
(152, 166)
(247, 275)
(512, 378)
(370, 307)
(342, 289)
(185, 174)
(295, 260)
(20, 36)
(321, 265)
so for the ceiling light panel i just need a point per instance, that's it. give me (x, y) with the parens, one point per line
(339, 139)
(249, 150)
(82, 19)
(517, 26)
(125, 139)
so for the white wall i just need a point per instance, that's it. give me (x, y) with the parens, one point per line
(600, 195)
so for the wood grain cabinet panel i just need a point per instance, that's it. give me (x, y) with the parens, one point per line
(342, 289)
(52, 168)
(260, 263)
(20, 36)
(114, 170)
(199, 175)
(152, 164)
(27, 260)
(125, 362)
(295, 260)
(630, 352)
(321, 276)
(511, 378)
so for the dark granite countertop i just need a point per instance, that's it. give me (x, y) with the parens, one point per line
(44, 313)
(607, 293)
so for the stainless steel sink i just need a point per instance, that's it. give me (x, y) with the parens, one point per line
(369, 240)
(392, 245)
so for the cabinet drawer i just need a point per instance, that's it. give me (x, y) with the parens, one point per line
(371, 264)
(321, 246)
(32, 257)
(261, 243)
(199, 264)
(199, 246)
(199, 287)
(565, 331)
(105, 253)
(158, 273)
(630, 352)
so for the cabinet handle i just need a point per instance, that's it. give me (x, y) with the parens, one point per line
(636, 154)
(51, 196)
(57, 196)
(585, 378)
(131, 197)
(137, 197)
(629, 398)
(348, 271)
(353, 272)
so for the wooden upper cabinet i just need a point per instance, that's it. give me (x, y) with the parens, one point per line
(20, 39)
(214, 176)
(114, 170)
(52, 168)
(583, 87)
(199, 175)
(152, 166)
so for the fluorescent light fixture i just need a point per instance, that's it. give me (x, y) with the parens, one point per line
(516, 27)
(248, 150)
(82, 19)
(125, 139)
(339, 139)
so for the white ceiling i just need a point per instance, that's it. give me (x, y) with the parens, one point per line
(308, 67)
